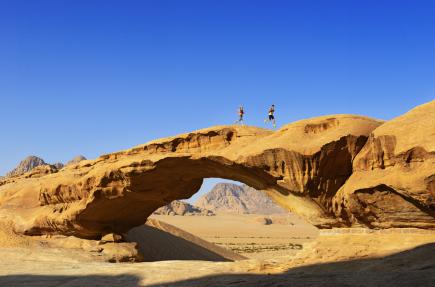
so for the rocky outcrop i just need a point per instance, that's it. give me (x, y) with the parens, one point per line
(301, 166)
(178, 207)
(26, 165)
(393, 182)
(238, 199)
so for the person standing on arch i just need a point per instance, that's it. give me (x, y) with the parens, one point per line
(271, 117)
(241, 114)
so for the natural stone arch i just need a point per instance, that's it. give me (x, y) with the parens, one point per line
(151, 190)
(301, 166)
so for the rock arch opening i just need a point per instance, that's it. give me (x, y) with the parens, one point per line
(221, 195)
(235, 216)
(170, 179)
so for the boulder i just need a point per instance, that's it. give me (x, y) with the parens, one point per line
(111, 237)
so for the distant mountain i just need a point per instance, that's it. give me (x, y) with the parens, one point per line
(239, 199)
(75, 160)
(26, 165)
(178, 207)
(32, 161)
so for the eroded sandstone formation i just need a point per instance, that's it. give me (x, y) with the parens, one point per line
(393, 179)
(302, 166)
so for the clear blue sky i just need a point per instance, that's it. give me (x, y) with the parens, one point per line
(92, 77)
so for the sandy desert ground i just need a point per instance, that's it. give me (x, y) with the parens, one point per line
(338, 257)
(248, 235)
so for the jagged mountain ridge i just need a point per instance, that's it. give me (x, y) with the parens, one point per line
(32, 161)
(26, 165)
(239, 199)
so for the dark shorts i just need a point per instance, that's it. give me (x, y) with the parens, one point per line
(271, 117)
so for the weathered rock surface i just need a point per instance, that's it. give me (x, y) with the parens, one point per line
(67, 247)
(178, 207)
(301, 166)
(111, 237)
(239, 199)
(26, 165)
(393, 182)
(152, 241)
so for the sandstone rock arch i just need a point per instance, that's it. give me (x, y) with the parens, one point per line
(303, 166)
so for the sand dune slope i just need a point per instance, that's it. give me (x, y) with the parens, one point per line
(159, 241)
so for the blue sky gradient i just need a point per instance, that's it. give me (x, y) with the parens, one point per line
(92, 77)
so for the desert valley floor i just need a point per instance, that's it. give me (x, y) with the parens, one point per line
(287, 252)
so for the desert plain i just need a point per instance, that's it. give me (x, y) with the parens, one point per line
(287, 253)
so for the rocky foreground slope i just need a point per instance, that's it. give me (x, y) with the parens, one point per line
(337, 170)
(379, 259)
